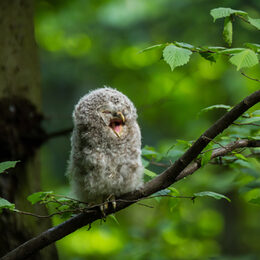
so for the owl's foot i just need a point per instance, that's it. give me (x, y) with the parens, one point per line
(112, 199)
(105, 205)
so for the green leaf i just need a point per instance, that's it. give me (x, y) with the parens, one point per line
(157, 46)
(254, 22)
(145, 163)
(228, 30)
(250, 120)
(209, 56)
(240, 156)
(246, 58)
(205, 157)
(38, 196)
(184, 45)
(254, 46)
(256, 113)
(222, 12)
(150, 173)
(5, 204)
(176, 56)
(255, 201)
(149, 152)
(215, 48)
(7, 165)
(232, 50)
(211, 194)
(219, 106)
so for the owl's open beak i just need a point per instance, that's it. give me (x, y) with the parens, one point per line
(117, 123)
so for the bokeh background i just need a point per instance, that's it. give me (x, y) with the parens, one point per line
(85, 45)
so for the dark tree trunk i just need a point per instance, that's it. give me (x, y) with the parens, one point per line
(20, 125)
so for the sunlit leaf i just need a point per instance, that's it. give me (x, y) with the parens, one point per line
(206, 156)
(38, 196)
(211, 194)
(254, 22)
(243, 59)
(240, 156)
(7, 165)
(222, 12)
(176, 56)
(150, 173)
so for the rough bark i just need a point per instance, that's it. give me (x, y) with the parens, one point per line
(20, 130)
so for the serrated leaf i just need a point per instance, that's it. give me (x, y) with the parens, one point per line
(38, 196)
(222, 12)
(176, 56)
(205, 157)
(150, 173)
(7, 165)
(254, 22)
(157, 46)
(5, 204)
(243, 59)
(255, 201)
(211, 194)
(228, 30)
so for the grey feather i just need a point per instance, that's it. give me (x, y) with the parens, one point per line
(102, 163)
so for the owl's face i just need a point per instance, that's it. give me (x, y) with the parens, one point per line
(108, 112)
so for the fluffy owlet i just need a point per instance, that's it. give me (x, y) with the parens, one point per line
(105, 157)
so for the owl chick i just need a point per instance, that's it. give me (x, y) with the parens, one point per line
(105, 159)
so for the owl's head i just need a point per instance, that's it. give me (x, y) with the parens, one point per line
(106, 110)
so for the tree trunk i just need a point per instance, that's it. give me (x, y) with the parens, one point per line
(20, 125)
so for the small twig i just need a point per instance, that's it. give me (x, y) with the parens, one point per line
(249, 77)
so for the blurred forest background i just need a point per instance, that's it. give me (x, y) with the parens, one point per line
(85, 45)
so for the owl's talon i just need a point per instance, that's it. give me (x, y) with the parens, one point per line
(102, 209)
(114, 204)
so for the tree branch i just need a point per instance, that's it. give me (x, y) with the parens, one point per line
(171, 175)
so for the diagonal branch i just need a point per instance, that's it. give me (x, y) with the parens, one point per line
(168, 177)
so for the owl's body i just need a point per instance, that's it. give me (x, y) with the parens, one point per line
(105, 157)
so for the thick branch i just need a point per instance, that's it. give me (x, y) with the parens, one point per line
(168, 177)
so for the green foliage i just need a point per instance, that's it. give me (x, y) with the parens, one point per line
(206, 156)
(7, 165)
(178, 53)
(176, 56)
(4, 204)
(255, 201)
(39, 196)
(245, 58)
(211, 194)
